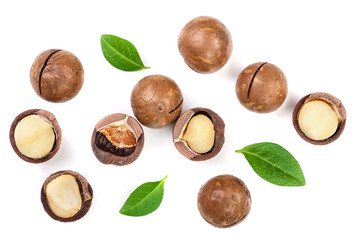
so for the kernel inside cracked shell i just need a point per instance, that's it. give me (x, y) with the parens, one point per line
(117, 138)
(199, 134)
(63, 196)
(318, 119)
(34, 136)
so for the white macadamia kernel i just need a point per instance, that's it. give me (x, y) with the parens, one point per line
(318, 120)
(199, 134)
(34, 136)
(63, 196)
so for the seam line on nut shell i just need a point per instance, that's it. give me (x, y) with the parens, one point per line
(177, 106)
(44, 66)
(253, 78)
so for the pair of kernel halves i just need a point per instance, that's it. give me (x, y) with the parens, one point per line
(35, 136)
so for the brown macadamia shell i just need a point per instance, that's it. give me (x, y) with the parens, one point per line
(156, 101)
(57, 75)
(86, 193)
(107, 157)
(333, 102)
(261, 87)
(224, 201)
(180, 126)
(205, 44)
(50, 118)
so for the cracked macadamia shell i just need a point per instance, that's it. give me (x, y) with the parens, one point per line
(181, 126)
(320, 117)
(57, 75)
(30, 138)
(224, 201)
(66, 196)
(156, 101)
(261, 87)
(205, 44)
(117, 145)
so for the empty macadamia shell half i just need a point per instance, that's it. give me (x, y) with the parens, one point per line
(35, 135)
(205, 44)
(66, 196)
(319, 118)
(224, 201)
(181, 126)
(117, 139)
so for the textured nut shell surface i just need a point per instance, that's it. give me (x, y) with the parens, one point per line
(51, 119)
(205, 44)
(109, 158)
(329, 98)
(261, 87)
(38, 66)
(85, 191)
(156, 101)
(219, 127)
(224, 201)
(57, 75)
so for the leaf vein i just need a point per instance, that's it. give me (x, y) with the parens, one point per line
(265, 160)
(117, 53)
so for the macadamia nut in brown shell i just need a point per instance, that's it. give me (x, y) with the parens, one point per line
(319, 118)
(261, 87)
(66, 196)
(117, 139)
(224, 201)
(156, 101)
(57, 75)
(35, 135)
(198, 134)
(205, 44)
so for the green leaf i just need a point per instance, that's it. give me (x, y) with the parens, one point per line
(274, 164)
(121, 53)
(145, 199)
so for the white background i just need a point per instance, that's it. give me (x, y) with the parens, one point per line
(315, 43)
